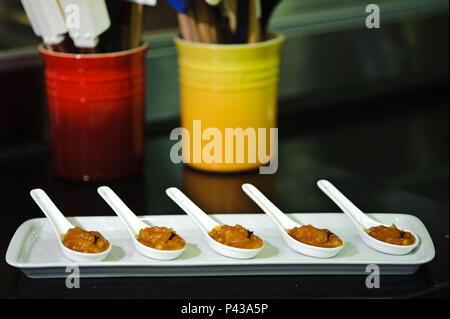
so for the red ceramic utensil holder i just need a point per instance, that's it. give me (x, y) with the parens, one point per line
(97, 113)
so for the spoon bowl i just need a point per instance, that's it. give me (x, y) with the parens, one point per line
(232, 252)
(363, 222)
(134, 225)
(284, 223)
(61, 226)
(206, 224)
(310, 250)
(156, 253)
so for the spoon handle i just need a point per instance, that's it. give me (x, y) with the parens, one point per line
(130, 220)
(269, 208)
(60, 224)
(204, 221)
(355, 214)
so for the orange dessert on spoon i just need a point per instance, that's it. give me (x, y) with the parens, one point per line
(160, 238)
(236, 236)
(311, 235)
(391, 235)
(91, 242)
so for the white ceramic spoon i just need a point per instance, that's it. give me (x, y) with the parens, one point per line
(284, 223)
(206, 224)
(363, 222)
(134, 225)
(61, 225)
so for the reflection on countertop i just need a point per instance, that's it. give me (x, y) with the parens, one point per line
(222, 193)
(389, 153)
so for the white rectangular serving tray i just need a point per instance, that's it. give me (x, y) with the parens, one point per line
(35, 250)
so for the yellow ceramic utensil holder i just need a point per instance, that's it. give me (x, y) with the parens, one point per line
(227, 86)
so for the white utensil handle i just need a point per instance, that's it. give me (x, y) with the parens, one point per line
(46, 20)
(93, 21)
(205, 222)
(145, 2)
(213, 2)
(268, 207)
(60, 224)
(344, 203)
(133, 223)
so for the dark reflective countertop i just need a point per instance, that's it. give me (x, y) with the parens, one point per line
(388, 153)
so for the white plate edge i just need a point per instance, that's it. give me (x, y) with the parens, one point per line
(24, 227)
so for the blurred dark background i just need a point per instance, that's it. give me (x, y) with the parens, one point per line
(329, 55)
(365, 108)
